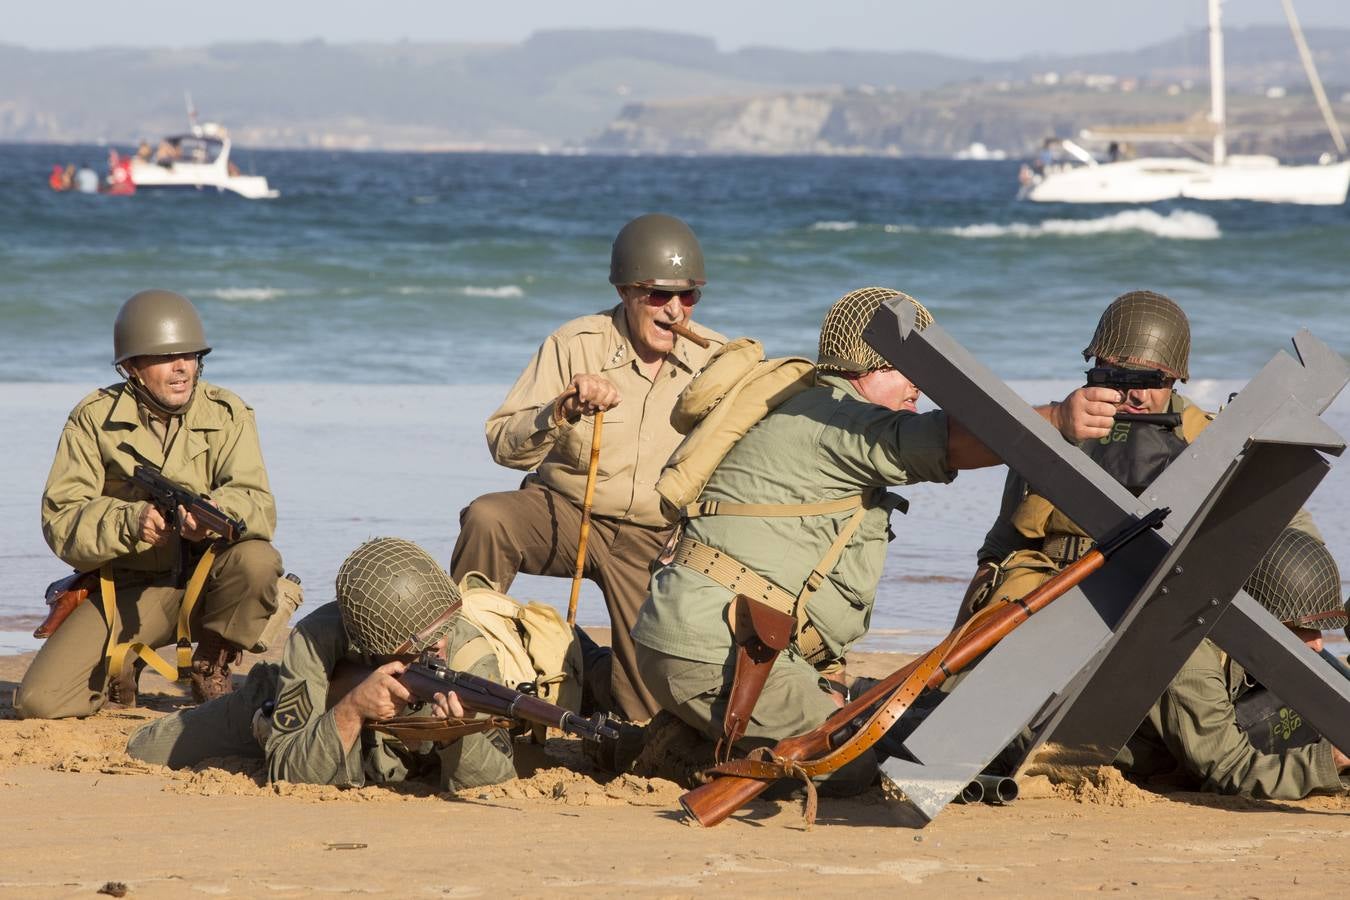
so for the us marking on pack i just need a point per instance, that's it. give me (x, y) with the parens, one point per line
(293, 709)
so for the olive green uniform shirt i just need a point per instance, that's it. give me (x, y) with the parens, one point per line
(637, 436)
(826, 443)
(1193, 727)
(91, 508)
(304, 747)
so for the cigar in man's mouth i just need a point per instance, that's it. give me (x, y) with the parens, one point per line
(689, 335)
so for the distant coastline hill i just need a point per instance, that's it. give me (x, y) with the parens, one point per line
(635, 91)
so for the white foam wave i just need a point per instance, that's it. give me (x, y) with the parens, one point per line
(249, 295)
(504, 291)
(1179, 225)
(834, 226)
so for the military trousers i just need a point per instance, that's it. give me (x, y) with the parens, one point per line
(69, 676)
(795, 700)
(535, 530)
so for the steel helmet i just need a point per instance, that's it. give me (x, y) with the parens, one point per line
(157, 323)
(1298, 582)
(657, 251)
(842, 348)
(1143, 330)
(389, 590)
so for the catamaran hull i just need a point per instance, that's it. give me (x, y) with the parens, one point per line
(1260, 179)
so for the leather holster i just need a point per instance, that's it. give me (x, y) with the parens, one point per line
(761, 633)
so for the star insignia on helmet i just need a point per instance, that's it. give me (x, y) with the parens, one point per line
(676, 259)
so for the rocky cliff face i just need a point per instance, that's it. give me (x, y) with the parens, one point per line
(942, 122)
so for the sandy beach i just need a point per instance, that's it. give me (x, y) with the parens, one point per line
(81, 814)
(350, 462)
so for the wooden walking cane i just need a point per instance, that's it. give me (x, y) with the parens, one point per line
(585, 517)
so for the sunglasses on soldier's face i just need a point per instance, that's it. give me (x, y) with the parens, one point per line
(658, 297)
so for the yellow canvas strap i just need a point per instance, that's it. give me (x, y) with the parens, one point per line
(191, 595)
(118, 653)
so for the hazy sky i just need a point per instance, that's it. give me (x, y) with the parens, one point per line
(975, 28)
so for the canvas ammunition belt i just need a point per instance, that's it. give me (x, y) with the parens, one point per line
(739, 578)
(1066, 548)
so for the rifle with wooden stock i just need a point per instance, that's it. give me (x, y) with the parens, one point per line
(430, 676)
(845, 735)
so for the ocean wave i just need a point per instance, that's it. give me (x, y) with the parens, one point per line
(246, 295)
(1180, 225)
(834, 226)
(503, 291)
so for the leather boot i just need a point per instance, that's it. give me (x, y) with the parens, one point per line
(211, 663)
(123, 687)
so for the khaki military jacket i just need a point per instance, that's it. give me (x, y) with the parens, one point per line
(637, 437)
(90, 507)
(825, 443)
(303, 745)
(1192, 731)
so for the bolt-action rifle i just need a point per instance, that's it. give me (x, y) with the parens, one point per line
(430, 676)
(845, 735)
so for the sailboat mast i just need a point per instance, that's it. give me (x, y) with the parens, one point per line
(1217, 114)
(1310, 68)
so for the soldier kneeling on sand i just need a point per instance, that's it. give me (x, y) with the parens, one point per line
(158, 573)
(311, 723)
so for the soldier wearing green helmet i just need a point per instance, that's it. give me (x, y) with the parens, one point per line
(809, 538)
(311, 725)
(96, 518)
(1030, 540)
(627, 362)
(1194, 736)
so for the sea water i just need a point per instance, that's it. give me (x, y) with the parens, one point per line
(413, 287)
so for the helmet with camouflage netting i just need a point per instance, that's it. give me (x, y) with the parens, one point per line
(388, 591)
(842, 348)
(1298, 582)
(1143, 330)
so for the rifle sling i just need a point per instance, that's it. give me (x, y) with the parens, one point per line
(419, 729)
(762, 764)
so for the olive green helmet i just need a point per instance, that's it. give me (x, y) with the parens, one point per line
(157, 323)
(1298, 582)
(842, 348)
(1143, 330)
(656, 251)
(388, 592)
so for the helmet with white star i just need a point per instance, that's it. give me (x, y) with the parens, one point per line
(657, 251)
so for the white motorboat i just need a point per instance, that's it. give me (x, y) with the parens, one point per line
(1083, 179)
(197, 160)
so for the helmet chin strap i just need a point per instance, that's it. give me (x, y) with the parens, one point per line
(142, 393)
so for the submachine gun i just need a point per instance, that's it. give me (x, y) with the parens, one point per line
(1125, 380)
(65, 594)
(168, 496)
